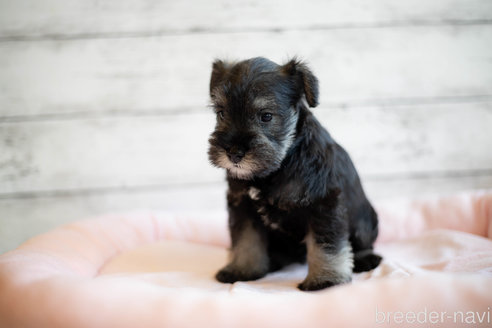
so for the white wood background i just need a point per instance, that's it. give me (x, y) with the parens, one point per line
(103, 103)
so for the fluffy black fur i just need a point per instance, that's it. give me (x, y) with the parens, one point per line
(294, 194)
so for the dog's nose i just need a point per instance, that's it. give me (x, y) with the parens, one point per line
(235, 155)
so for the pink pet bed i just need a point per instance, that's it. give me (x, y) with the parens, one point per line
(156, 270)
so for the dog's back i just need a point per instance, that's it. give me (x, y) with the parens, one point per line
(330, 180)
(362, 218)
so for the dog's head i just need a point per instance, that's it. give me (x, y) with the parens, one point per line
(257, 106)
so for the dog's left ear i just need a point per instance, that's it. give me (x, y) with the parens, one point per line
(306, 79)
(219, 69)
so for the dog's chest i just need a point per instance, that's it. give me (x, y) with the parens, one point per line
(272, 216)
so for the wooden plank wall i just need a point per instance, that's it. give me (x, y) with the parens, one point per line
(103, 104)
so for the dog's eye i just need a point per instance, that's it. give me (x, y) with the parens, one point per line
(266, 117)
(220, 114)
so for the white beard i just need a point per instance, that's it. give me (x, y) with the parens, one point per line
(242, 170)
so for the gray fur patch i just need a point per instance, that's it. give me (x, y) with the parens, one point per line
(250, 252)
(325, 266)
(290, 134)
(264, 102)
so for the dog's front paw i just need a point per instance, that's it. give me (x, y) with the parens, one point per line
(228, 275)
(309, 286)
(312, 285)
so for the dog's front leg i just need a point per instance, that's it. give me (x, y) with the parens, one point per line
(249, 250)
(329, 253)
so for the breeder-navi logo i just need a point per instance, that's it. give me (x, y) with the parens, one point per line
(432, 317)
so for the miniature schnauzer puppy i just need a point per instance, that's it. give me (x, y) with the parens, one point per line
(294, 194)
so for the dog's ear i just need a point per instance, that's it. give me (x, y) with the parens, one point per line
(219, 69)
(305, 78)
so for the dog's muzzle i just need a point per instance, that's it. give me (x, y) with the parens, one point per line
(235, 154)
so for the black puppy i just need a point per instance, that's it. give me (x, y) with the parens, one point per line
(292, 189)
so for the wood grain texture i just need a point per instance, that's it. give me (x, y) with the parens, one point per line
(103, 103)
(172, 149)
(23, 218)
(171, 73)
(106, 152)
(83, 19)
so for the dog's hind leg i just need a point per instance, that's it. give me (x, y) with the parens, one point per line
(362, 237)
(366, 260)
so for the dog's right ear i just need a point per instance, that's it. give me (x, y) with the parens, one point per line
(219, 69)
(308, 83)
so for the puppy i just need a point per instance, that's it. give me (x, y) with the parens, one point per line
(294, 194)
